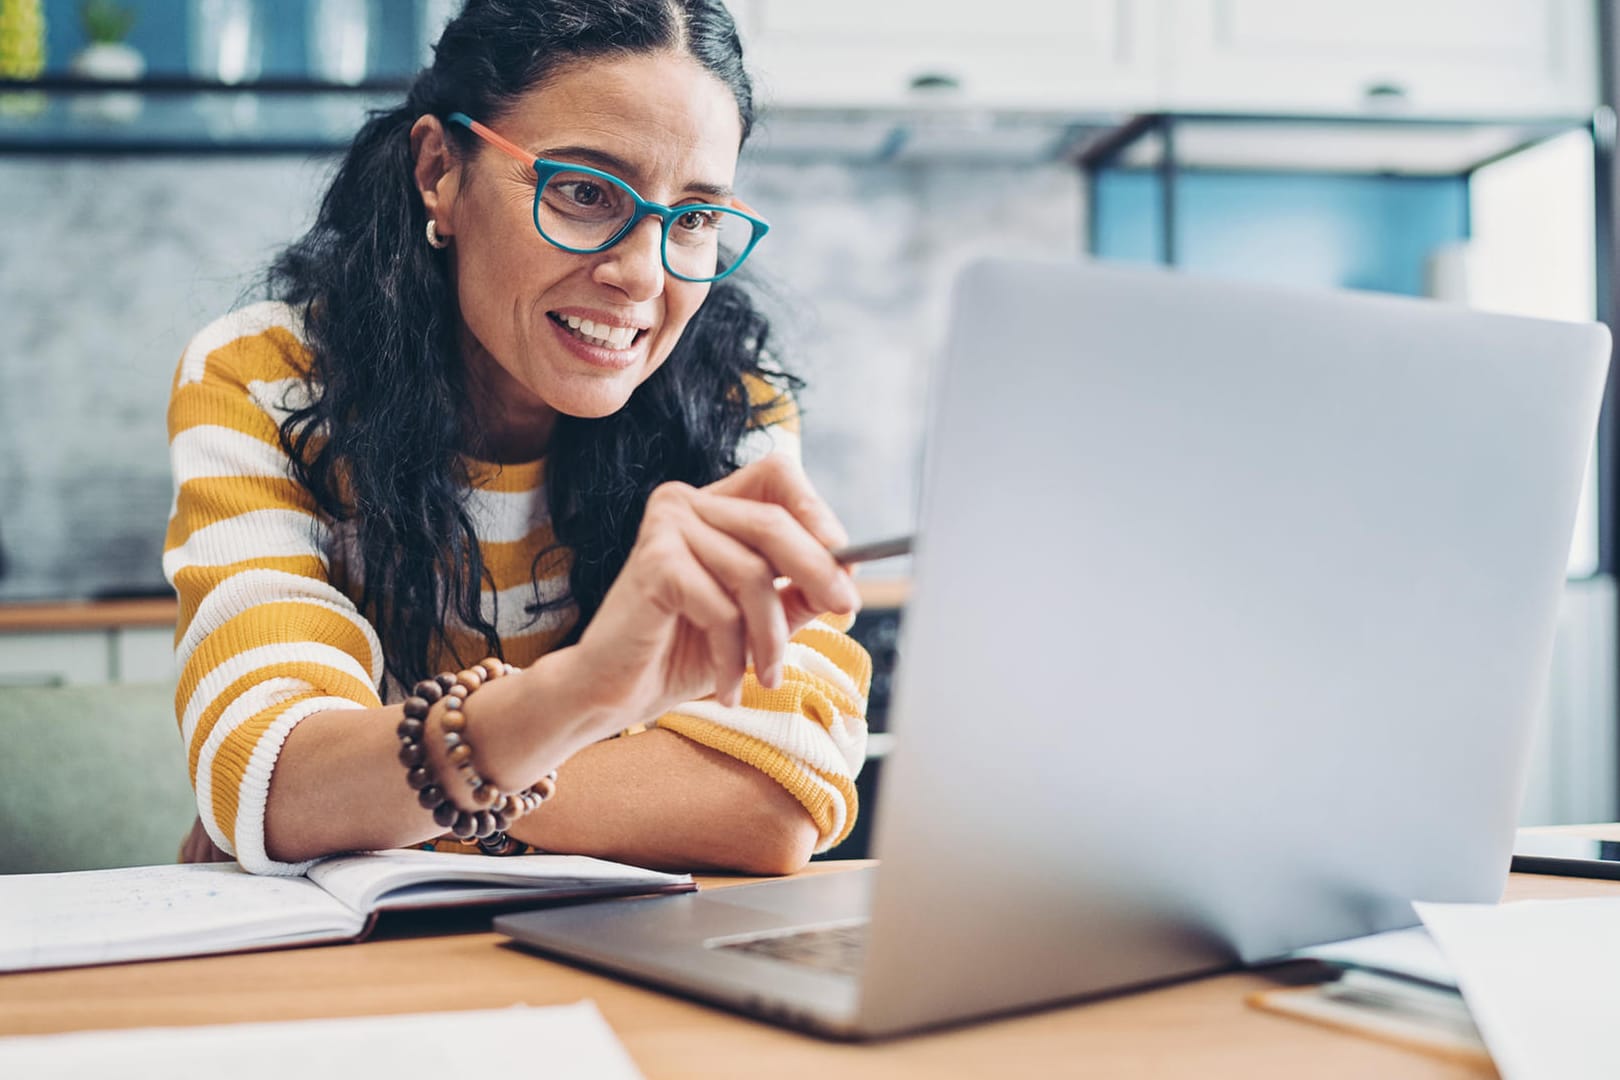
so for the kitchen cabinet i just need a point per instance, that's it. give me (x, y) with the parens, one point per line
(54, 658)
(1480, 58)
(1022, 54)
(1435, 58)
(87, 644)
(142, 654)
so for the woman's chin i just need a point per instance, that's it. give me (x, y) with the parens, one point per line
(593, 402)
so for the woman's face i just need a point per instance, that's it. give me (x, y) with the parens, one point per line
(658, 121)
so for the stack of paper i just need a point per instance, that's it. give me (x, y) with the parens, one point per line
(1540, 980)
(1395, 986)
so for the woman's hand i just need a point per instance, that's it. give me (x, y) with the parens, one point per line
(698, 599)
(198, 846)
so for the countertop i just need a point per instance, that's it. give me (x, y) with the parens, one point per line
(45, 616)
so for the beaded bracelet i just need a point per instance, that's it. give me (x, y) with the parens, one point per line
(497, 809)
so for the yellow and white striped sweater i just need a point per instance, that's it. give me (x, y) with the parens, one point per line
(269, 631)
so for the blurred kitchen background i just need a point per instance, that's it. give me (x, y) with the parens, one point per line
(155, 153)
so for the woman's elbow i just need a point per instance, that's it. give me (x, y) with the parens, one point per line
(778, 843)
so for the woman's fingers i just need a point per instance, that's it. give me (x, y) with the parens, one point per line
(797, 607)
(716, 555)
(728, 654)
(784, 544)
(777, 478)
(751, 582)
(685, 587)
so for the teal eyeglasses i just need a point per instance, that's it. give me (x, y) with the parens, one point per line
(585, 210)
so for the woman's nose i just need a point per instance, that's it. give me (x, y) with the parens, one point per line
(635, 265)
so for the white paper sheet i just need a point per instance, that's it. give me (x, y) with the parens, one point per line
(1542, 979)
(1410, 952)
(560, 1042)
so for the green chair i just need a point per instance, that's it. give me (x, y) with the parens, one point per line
(91, 777)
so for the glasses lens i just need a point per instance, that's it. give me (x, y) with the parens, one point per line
(579, 210)
(702, 240)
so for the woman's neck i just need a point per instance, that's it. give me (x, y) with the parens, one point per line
(505, 422)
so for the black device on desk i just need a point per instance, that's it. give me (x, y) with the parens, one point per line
(1566, 856)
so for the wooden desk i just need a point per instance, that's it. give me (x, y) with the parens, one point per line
(1194, 1029)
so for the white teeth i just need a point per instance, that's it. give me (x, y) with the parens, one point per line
(610, 337)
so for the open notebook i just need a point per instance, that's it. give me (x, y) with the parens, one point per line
(152, 912)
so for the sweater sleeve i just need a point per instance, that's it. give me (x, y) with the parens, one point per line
(809, 735)
(264, 638)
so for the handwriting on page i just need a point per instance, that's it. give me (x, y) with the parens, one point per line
(106, 915)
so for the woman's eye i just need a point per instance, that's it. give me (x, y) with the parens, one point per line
(586, 194)
(696, 220)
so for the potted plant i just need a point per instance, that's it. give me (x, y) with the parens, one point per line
(107, 56)
(106, 24)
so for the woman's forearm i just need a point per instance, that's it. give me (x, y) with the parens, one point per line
(660, 800)
(654, 799)
(338, 784)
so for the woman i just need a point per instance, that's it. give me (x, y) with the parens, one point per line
(501, 404)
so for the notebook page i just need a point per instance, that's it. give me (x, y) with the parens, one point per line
(559, 1042)
(147, 912)
(361, 880)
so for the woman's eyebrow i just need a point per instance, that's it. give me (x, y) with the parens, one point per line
(618, 166)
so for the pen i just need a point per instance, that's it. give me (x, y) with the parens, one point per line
(877, 549)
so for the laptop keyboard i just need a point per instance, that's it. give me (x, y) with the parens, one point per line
(838, 949)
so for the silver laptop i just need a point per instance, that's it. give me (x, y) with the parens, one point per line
(1231, 610)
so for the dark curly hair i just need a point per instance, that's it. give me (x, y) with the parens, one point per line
(382, 442)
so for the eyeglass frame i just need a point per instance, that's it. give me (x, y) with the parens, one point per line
(545, 169)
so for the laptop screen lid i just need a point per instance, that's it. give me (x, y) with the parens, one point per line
(1232, 607)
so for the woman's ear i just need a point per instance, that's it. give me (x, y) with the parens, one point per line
(437, 172)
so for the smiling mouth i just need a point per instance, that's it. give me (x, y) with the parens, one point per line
(601, 335)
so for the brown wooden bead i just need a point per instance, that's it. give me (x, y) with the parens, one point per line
(411, 753)
(502, 822)
(471, 678)
(485, 822)
(465, 825)
(501, 804)
(459, 754)
(446, 680)
(445, 814)
(484, 795)
(453, 721)
(417, 707)
(452, 702)
(452, 740)
(428, 690)
(430, 796)
(410, 728)
(545, 787)
(493, 668)
(419, 778)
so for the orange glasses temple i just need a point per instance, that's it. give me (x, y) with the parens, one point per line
(507, 146)
(504, 145)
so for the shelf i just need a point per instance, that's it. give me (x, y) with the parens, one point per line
(179, 115)
(1386, 145)
(944, 134)
(163, 116)
(184, 116)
